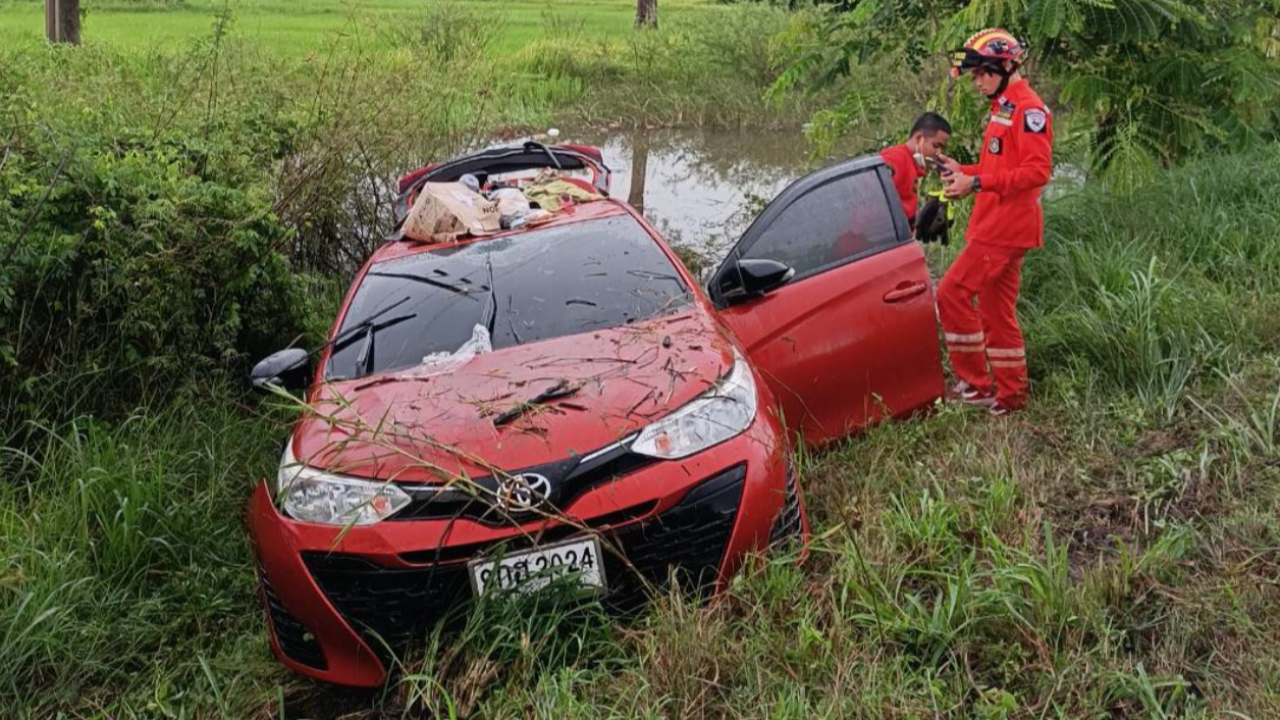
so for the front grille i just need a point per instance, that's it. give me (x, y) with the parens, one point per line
(788, 524)
(294, 638)
(569, 479)
(687, 542)
(398, 605)
(553, 533)
(389, 606)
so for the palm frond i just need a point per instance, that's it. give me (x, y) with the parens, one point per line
(1178, 74)
(1093, 92)
(993, 13)
(1047, 18)
(1128, 155)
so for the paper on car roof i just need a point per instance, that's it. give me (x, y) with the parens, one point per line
(444, 212)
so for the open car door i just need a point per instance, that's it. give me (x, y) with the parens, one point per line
(833, 303)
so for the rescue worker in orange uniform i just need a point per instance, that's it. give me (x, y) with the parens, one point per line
(985, 343)
(908, 162)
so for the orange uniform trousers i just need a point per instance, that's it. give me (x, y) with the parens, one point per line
(985, 342)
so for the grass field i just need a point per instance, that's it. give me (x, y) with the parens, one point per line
(176, 201)
(306, 26)
(1111, 553)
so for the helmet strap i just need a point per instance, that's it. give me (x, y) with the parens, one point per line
(1004, 73)
(1004, 80)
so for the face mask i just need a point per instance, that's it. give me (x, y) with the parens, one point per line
(918, 156)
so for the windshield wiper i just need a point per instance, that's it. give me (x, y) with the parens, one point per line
(365, 358)
(366, 352)
(343, 337)
(461, 290)
(366, 327)
(650, 275)
(492, 318)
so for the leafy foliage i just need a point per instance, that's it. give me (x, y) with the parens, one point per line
(131, 256)
(1149, 82)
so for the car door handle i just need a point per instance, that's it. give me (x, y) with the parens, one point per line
(905, 291)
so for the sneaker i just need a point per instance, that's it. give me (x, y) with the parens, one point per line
(970, 395)
(979, 398)
(999, 409)
(958, 390)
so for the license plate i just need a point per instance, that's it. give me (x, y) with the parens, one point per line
(531, 570)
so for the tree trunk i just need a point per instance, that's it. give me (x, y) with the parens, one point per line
(639, 169)
(647, 13)
(62, 21)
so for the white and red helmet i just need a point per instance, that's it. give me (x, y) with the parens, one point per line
(987, 49)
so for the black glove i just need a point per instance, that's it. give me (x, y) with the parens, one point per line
(931, 222)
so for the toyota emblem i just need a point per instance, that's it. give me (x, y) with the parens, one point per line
(523, 492)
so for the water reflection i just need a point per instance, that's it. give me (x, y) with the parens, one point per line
(639, 169)
(699, 188)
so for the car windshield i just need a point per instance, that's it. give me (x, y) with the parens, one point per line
(490, 294)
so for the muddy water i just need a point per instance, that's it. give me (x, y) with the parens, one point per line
(699, 188)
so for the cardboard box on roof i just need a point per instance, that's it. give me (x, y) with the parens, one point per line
(447, 211)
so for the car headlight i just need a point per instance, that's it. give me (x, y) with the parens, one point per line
(722, 412)
(315, 496)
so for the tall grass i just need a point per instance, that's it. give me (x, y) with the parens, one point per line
(1145, 292)
(126, 560)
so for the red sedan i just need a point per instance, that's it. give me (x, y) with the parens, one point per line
(565, 402)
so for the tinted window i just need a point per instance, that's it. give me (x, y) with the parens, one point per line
(841, 219)
(545, 284)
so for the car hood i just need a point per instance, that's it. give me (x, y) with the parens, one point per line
(417, 427)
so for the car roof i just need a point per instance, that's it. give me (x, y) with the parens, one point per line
(604, 208)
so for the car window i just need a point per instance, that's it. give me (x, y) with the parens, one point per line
(844, 218)
(547, 283)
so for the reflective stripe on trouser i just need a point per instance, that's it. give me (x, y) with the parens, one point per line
(991, 276)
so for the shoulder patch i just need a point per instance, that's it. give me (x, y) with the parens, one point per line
(1035, 120)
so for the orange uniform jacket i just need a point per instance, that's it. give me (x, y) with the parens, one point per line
(1014, 167)
(906, 173)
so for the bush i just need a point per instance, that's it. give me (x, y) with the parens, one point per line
(133, 258)
(576, 58)
(448, 33)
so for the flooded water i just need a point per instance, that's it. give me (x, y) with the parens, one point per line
(699, 188)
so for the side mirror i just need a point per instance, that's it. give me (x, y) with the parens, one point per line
(751, 278)
(289, 369)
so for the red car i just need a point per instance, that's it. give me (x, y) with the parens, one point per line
(566, 401)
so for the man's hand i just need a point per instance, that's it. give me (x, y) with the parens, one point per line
(948, 165)
(959, 186)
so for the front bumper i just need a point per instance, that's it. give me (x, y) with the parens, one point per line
(339, 604)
